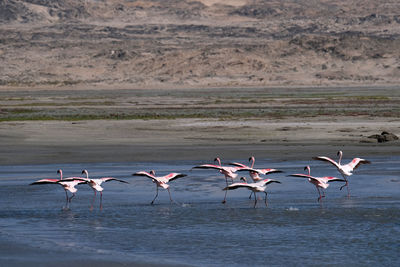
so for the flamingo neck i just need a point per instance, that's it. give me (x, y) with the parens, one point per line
(340, 157)
(218, 160)
(61, 174)
(253, 160)
(309, 170)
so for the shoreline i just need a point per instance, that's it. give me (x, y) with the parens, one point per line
(48, 142)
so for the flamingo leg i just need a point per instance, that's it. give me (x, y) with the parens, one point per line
(255, 199)
(251, 194)
(101, 200)
(266, 203)
(320, 197)
(226, 191)
(346, 185)
(155, 196)
(169, 195)
(66, 199)
(73, 194)
(94, 198)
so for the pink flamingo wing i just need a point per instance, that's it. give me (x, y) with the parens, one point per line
(328, 160)
(333, 179)
(268, 171)
(237, 164)
(236, 186)
(268, 181)
(356, 162)
(107, 179)
(144, 173)
(301, 175)
(174, 175)
(208, 166)
(45, 181)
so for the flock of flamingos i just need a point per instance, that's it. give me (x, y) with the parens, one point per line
(230, 172)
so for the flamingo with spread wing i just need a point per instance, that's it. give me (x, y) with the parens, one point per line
(347, 169)
(259, 186)
(161, 181)
(319, 182)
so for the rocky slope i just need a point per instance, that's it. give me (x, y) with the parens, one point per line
(183, 43)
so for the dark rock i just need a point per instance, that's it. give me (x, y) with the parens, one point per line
(384, 137)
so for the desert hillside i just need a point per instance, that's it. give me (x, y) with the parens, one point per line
(205, 43)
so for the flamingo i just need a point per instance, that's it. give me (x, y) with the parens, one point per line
(319, 182)
(254, 173)
(345, 170)
(68, 184)
(160, 181)
(227, 171)
(259, 186)
(95, 184)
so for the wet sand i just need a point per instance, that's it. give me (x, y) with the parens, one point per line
(44, 142)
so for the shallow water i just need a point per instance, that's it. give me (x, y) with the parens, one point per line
(197, 229)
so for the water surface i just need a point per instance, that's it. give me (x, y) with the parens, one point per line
(198, 229)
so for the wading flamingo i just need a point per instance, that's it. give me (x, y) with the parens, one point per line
(345, 170)
(68, 184)
(95, 184)
(319, 182)
(227, 171)
(160, 181)
(259, 186)
(254, 173)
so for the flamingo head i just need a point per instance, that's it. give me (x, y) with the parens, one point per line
(243, 179)
(85, 172)
(308, 168)
(153, 172)
(59, 171)
(217, 160)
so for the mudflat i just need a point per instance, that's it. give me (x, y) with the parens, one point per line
(76, 125)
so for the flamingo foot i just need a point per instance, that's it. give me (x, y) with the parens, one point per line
(223, 201)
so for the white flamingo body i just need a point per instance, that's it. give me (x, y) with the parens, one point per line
(95, 184)
(161, 181)
(345, 170)
(68, 184)
(259, 186)
(227, 171)
(253, 172)
(319, 182)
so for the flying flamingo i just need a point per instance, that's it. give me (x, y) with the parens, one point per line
(259, 186)
(319, 182)
(160, 181)
(254, 173)
(95, 184)
(227, 171)
(347, 169)
(68, 184)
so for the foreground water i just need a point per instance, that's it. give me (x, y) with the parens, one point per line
(197, 229)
